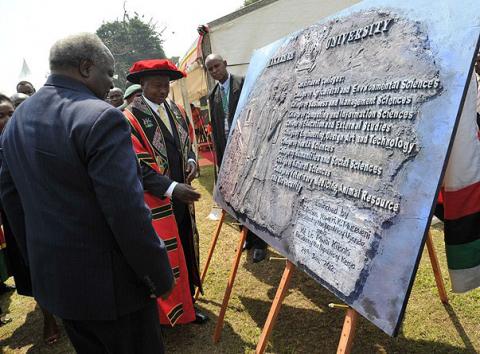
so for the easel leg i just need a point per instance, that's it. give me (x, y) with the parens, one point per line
(228, 290)
(275, 309)
(210, 252)
(436, 269)
(348, 332)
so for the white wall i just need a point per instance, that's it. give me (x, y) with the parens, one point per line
(237, 39)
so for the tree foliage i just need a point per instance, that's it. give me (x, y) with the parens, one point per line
(174, 59)
(129, 40)
(249, 2)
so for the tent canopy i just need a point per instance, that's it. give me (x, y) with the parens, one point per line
(195, 84)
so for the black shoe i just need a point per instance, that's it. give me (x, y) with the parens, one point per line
(247, 245)
(4, 319)
(4, 288)
(259, 254)
(200, 318)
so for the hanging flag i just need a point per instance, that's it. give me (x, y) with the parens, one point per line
(461, 200)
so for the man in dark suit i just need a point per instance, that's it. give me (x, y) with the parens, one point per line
(70, 185)
(223, 100)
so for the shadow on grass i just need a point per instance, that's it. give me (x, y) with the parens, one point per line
(299, 330)
(203, 300)
(270, 272)
(194, 338)
(437, 227)
(267, 271)
(459, 328)
(301, 325)
(30, 334)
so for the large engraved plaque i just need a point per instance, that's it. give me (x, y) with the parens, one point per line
(339, 144)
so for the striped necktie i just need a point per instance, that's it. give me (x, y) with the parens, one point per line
(224, 99)
(164, 117)
(224, 95)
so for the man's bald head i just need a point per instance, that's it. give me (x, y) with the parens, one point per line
(214, 56)
(217, 67)
(115, 97)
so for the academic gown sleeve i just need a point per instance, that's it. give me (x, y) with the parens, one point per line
(153, 182)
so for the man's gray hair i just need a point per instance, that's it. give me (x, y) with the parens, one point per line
(70, 51)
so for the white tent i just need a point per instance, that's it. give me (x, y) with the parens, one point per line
(236, 35)
(193, 88)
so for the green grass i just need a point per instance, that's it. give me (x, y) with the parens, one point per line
(305, 323)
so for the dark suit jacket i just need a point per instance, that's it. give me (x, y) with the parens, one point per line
(218, 116)
(158, 184)
(70, 185)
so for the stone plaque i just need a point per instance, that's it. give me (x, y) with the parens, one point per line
(340, 140)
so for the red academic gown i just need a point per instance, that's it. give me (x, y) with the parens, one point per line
(178, 307)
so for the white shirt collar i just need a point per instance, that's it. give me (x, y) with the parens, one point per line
(226, 84)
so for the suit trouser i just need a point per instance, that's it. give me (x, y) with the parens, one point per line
(136, 332)
(256, 241)
(185, 231)
(186, 237)
(16, 261)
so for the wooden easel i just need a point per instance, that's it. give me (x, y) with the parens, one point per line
(228, 290)
(351, 318)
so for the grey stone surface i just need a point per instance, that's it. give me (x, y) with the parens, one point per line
(335, 129)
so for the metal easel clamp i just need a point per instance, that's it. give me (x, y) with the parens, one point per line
(277, 259)
(338, 306)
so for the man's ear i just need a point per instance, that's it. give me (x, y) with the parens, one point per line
(85, 68)
(225, 62)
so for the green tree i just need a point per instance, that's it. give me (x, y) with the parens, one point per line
(130, 40)
(174, 59)
(249, 2)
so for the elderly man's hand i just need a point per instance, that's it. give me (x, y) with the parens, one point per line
(185, 193)
(166, 294)
(191, 171)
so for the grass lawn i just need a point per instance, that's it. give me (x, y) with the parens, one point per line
(305, 323)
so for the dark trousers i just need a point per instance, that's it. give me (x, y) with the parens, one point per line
(255, 241)
(16, 262)
(136, 332)
(188, 244)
